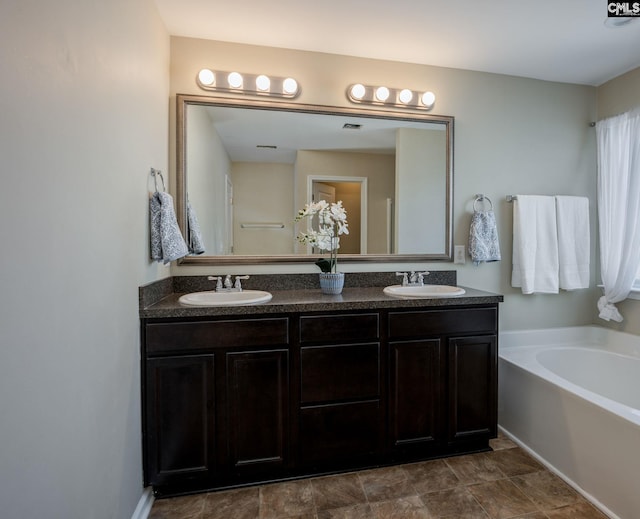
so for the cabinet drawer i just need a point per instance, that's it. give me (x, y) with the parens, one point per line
(164, 337)
(339, 328)
(333, 434)
(340, 372)
(437, 322)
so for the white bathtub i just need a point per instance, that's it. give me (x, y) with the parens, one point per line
(572, 397)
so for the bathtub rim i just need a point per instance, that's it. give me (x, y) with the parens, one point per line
(519, 349)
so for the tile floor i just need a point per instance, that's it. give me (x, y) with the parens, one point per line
(505, 483)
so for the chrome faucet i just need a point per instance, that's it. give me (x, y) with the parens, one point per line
(228, 285)
(413, 279)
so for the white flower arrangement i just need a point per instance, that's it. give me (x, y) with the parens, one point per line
(332, 222)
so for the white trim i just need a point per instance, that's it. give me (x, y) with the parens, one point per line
(143, 509)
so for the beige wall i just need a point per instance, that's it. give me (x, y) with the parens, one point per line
(619, 95)
(615, 97)
(83, 104)
(512, 135)
(421, 165)
(209, 166)
(262, 193)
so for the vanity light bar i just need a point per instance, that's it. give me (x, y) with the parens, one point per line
(252, 84)
(381, 95)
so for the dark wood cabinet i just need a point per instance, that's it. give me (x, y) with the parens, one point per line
(180, 418)
(216, 402)
(416, 397)
(231, 401)
(258, 411)
(473, 388)
(443, 396)
(341, 377)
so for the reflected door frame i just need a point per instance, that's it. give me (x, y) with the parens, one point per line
(363, 181)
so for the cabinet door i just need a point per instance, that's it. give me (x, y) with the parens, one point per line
(179, 406)
(472, 388)
(257, 387)
(415, 408)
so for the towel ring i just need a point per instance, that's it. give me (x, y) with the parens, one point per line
(482, 198)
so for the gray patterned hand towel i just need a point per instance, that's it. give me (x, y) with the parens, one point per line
(483, 237)
(167, 243)
(196, 245)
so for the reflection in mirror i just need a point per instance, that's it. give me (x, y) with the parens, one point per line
(246, 167)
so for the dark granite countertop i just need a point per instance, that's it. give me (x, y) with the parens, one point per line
(306, 299)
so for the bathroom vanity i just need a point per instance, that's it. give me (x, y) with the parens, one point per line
(310, 384)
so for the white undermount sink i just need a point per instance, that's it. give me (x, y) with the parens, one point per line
(211, 298)
(422, 291)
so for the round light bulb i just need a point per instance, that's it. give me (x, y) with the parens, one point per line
(290, 86)
(263, 83)
(358, 91)
(428, 98)
(405, 96)
(206, 77)
(382, 93)
(235, 80)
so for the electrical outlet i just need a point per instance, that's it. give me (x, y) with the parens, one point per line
(459, 254)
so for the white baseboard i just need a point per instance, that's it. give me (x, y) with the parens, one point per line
(143, 509)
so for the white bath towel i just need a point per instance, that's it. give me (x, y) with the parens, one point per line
(572, 214)
(535, 245)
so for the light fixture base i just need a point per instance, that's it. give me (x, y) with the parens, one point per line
(248, 84)
(386, 96)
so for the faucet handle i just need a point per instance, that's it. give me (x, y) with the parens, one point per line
(219, 281)
(421, 276)
(238, 285)
(404, 275)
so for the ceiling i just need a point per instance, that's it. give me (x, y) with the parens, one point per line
(277, 135)
(555, 40)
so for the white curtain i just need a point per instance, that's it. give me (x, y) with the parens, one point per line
(618, 146)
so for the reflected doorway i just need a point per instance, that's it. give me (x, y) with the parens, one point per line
(353, 193)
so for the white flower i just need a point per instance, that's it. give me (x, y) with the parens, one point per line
(332, 222)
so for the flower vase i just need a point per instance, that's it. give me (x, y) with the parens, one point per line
(331, 282)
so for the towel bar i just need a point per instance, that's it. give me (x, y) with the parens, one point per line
(262, 225)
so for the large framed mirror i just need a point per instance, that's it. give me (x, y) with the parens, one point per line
(245, 168)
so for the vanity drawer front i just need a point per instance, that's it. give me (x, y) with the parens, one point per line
(339, 328)
(331, 435)
(440, 322)
(165, 337)
(342, 372)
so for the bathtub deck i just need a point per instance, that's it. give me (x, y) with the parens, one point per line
(590, 440)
